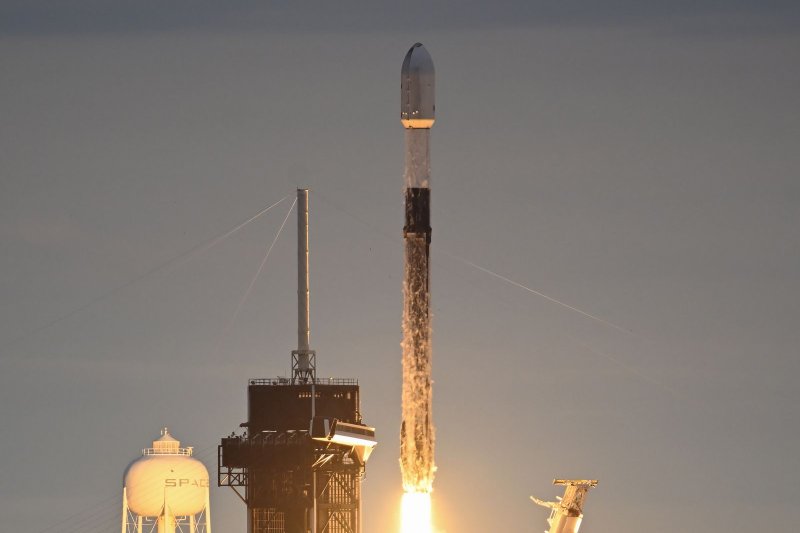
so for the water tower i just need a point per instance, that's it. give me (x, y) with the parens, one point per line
(166, 491)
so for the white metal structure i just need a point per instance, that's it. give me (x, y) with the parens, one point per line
(361, 438)
(567, 513)
(166, 490)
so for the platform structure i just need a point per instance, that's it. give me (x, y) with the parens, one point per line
(289, 467)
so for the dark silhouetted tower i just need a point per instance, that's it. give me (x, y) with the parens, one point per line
(299, 462)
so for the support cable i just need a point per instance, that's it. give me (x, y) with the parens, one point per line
(630, 368)
(255, 278)
(202, 247)
(491, 273)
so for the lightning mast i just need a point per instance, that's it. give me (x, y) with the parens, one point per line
(304, 365)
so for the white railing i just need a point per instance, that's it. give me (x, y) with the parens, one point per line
(175, 451)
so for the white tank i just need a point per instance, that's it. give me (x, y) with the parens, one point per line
(166, 479)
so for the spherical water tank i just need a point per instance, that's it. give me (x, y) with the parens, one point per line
(166, 475)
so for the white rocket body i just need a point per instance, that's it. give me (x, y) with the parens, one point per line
(417, 114)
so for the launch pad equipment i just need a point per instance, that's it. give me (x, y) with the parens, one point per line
(299, 464)
(567, 513)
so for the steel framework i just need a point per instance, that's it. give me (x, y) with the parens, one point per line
(286, 479)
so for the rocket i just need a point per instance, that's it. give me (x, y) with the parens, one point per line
(417, 116)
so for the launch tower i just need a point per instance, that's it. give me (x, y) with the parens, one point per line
(299, 462)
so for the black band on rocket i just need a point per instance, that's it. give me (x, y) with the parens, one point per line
(418, 211)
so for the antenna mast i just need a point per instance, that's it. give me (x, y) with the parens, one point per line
(304, 359)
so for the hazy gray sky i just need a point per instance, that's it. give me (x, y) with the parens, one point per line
(636, 160)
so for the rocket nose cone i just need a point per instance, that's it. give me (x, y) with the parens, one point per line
(417, 84)
(417, 59)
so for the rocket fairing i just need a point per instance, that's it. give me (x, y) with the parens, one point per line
(417, 85)
(417, 114)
